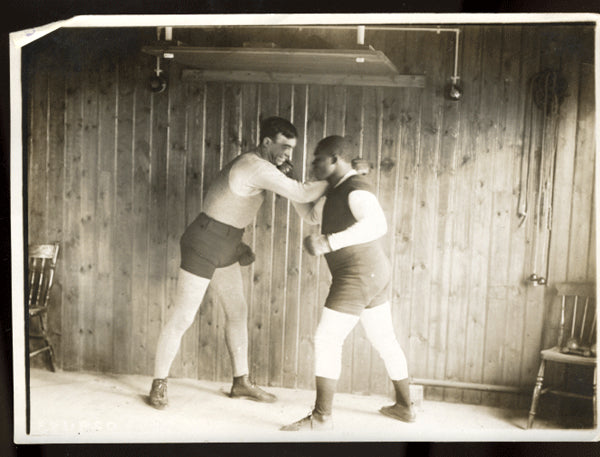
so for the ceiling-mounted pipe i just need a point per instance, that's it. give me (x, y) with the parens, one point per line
(455, 90)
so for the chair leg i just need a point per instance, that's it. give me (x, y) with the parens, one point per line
(47, 345)
(536, 394)
(47, 341)
(595, 412)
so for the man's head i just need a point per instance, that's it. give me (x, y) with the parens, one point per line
(333, 158)
(277, 139)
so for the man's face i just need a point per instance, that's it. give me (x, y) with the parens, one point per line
(280, 149)
(323, 165)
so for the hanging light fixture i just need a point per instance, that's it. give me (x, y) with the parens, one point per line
(453, 90)
(157, 81)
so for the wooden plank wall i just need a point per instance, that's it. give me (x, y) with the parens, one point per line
(116, 173)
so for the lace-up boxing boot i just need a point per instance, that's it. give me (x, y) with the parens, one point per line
(321, 416)
(314, 421)
(158, 393)
(244, 388)
(402, 410)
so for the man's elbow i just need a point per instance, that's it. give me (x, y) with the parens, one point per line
(308, 196)
(382, 228)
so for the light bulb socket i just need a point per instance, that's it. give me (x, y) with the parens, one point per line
(157, 83)
(453, 91)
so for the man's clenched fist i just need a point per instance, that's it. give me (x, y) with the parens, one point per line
(287, 168)
(317, 244)
(245, 254)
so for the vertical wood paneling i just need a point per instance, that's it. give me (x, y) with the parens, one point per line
(123, 238)
(583, 175)
(127, 170)
(104, 303)
(498, 214)
(425, 233)
(71, 329)
(89, 184)
(140, 345)
(294, 303)
(38, 147)
(461, 254)
(511, 115)
(441, 272)
(480, 221)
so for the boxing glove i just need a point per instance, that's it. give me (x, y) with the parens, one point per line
(317, 244)
(287, 168)
(361, 166)
(245, 255)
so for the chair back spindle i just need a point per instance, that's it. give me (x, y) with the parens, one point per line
(576, 302)
(42, 263)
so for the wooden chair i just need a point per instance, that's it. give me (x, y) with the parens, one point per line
(42, 263)
(576, 341)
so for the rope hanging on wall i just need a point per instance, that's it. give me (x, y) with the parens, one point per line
(547, 91)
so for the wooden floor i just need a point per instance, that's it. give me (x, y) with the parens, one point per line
(97, 407)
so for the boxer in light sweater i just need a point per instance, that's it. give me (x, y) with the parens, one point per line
(212, 252)
(352, 224)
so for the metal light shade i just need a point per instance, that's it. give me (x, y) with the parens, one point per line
(157, 84)
(454, 91)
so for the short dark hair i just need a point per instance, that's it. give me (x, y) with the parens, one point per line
(271, 126)
(336, 145)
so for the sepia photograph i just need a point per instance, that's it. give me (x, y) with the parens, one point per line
(444, 165)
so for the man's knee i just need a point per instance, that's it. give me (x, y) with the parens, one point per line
(385, 342)
(236, 311)
(182, 320)
(323, 341)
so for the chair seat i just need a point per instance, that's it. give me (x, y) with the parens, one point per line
(554, 355)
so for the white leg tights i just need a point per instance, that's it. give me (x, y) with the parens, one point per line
(333, 329)
(377, 323)
(188, 297)
(227, 283)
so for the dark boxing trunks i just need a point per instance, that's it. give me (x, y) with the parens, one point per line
(360, 278)
(208, 244)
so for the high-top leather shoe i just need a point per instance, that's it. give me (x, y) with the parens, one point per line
(158, 393)
(399, 412)
(243, 387)
(313, 421)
